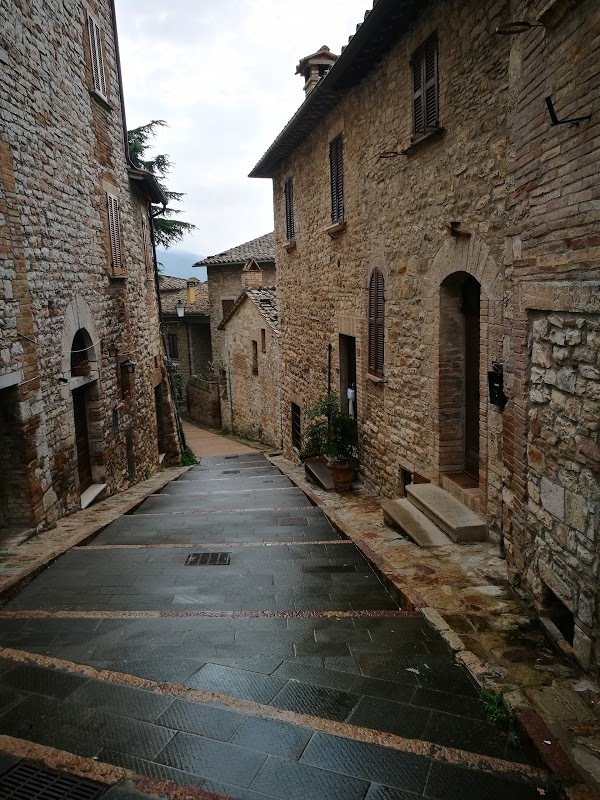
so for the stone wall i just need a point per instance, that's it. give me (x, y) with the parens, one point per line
(397, 213)
(203, 403)
(252, 403)
(553, 306)
(61, 150)
(193, 346)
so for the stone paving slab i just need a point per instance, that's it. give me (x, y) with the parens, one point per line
(202, 488)
(237, 500)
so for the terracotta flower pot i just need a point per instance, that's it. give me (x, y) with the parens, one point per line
(342, 476)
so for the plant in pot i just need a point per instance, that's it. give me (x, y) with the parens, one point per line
(332, 434)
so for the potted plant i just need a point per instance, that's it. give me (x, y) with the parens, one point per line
(81, 369)
(332, 434)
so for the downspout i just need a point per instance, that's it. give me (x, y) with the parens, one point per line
(179, 426)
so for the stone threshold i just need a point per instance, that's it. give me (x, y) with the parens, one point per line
(91, 493)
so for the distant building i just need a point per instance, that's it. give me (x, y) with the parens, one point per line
(251, 264)
(252, 402)
(186, 324)
(85, 408)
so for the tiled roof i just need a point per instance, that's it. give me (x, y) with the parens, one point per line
(265, 299)
(173, 289)
(261, 249)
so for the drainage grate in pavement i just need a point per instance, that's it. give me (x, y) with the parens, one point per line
(30, 781)
(230, 472)
(228, 458)
(207, 560)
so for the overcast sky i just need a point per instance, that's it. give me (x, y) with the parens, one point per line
(221, 73)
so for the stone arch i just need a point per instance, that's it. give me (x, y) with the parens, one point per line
(78, 316)
(461, 258)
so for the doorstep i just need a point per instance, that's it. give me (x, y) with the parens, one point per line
(91, 493)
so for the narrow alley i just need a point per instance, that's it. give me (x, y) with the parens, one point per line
(223, 636)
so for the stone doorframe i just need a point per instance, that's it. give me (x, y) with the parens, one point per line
(78, 316)
(468, 255)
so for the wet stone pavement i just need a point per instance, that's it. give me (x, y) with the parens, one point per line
(297, 623)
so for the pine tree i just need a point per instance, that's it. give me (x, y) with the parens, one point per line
(167, 229)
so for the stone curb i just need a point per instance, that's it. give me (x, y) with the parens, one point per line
(530, 724)
(123, 504)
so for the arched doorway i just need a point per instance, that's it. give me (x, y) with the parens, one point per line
(82, 352)
(459, 378)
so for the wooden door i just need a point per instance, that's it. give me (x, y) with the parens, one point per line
(84, 467)
(472, 341)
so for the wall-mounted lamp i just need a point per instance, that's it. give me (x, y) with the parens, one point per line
(516, 27)
(128, 366)
(554, 120)
(63, 380)
(180, 308)
(112, 350)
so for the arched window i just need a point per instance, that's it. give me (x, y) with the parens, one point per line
(376, 323)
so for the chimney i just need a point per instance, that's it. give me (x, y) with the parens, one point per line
(315, 66)
(252, 276)
(191, 292)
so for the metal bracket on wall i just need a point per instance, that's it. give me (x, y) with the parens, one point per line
(554, 120)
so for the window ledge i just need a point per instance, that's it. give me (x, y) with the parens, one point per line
(117, 278)
(336, 229)
(101, 100)
(289, 246)
(427, 137)
(91, 493)
(375, 379)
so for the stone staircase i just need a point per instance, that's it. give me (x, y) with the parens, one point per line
(432, 517)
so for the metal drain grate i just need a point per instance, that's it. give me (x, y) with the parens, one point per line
(230, 472)
(207, 560)
(27, 781)
(228, 458)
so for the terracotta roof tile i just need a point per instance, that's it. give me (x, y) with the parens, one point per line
(261, 249)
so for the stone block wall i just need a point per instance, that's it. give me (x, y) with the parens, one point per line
(397, 213)
(193, 346)
(550, 442)
(252, 402)
(61, 150)
(203, 401)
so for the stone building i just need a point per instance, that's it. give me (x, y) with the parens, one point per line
(251, 264)
(552, 325)
(186, 324)
(436, 241)
(250, 404)
(84, 402)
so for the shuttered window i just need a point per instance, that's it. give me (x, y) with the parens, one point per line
(172, 346)
(227, 305)
(97, 56)
(336, 168)
(376, 323)
(425, 88)
(296, 429)
(147, 243)
(114, 231)
(290, 230)
(254, 357)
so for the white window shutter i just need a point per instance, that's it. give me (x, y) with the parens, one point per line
(97, 56)
(114, 231)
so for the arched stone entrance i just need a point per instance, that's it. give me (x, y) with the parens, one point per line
(459, 378)
(463, 312)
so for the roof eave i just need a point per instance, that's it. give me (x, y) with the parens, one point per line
(148, 185)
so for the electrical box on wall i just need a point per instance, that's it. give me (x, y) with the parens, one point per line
(496, 385)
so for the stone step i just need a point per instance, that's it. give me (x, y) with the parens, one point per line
(459, 522)
(317, 472)
(413, 523)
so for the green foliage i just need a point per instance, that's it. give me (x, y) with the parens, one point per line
(225, 431)
(167, 230)
(188, 459)
(499, 715)
(179, 387)
(331, 432)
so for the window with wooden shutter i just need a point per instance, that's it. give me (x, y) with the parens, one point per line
(254, 357)
(114, 232)
(376, 323)
(425, 88)
(147, 243)
(97, 57)
(290, 231)
(172, 346)
(336, 168)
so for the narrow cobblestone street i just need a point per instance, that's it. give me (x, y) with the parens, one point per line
(282, 668)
